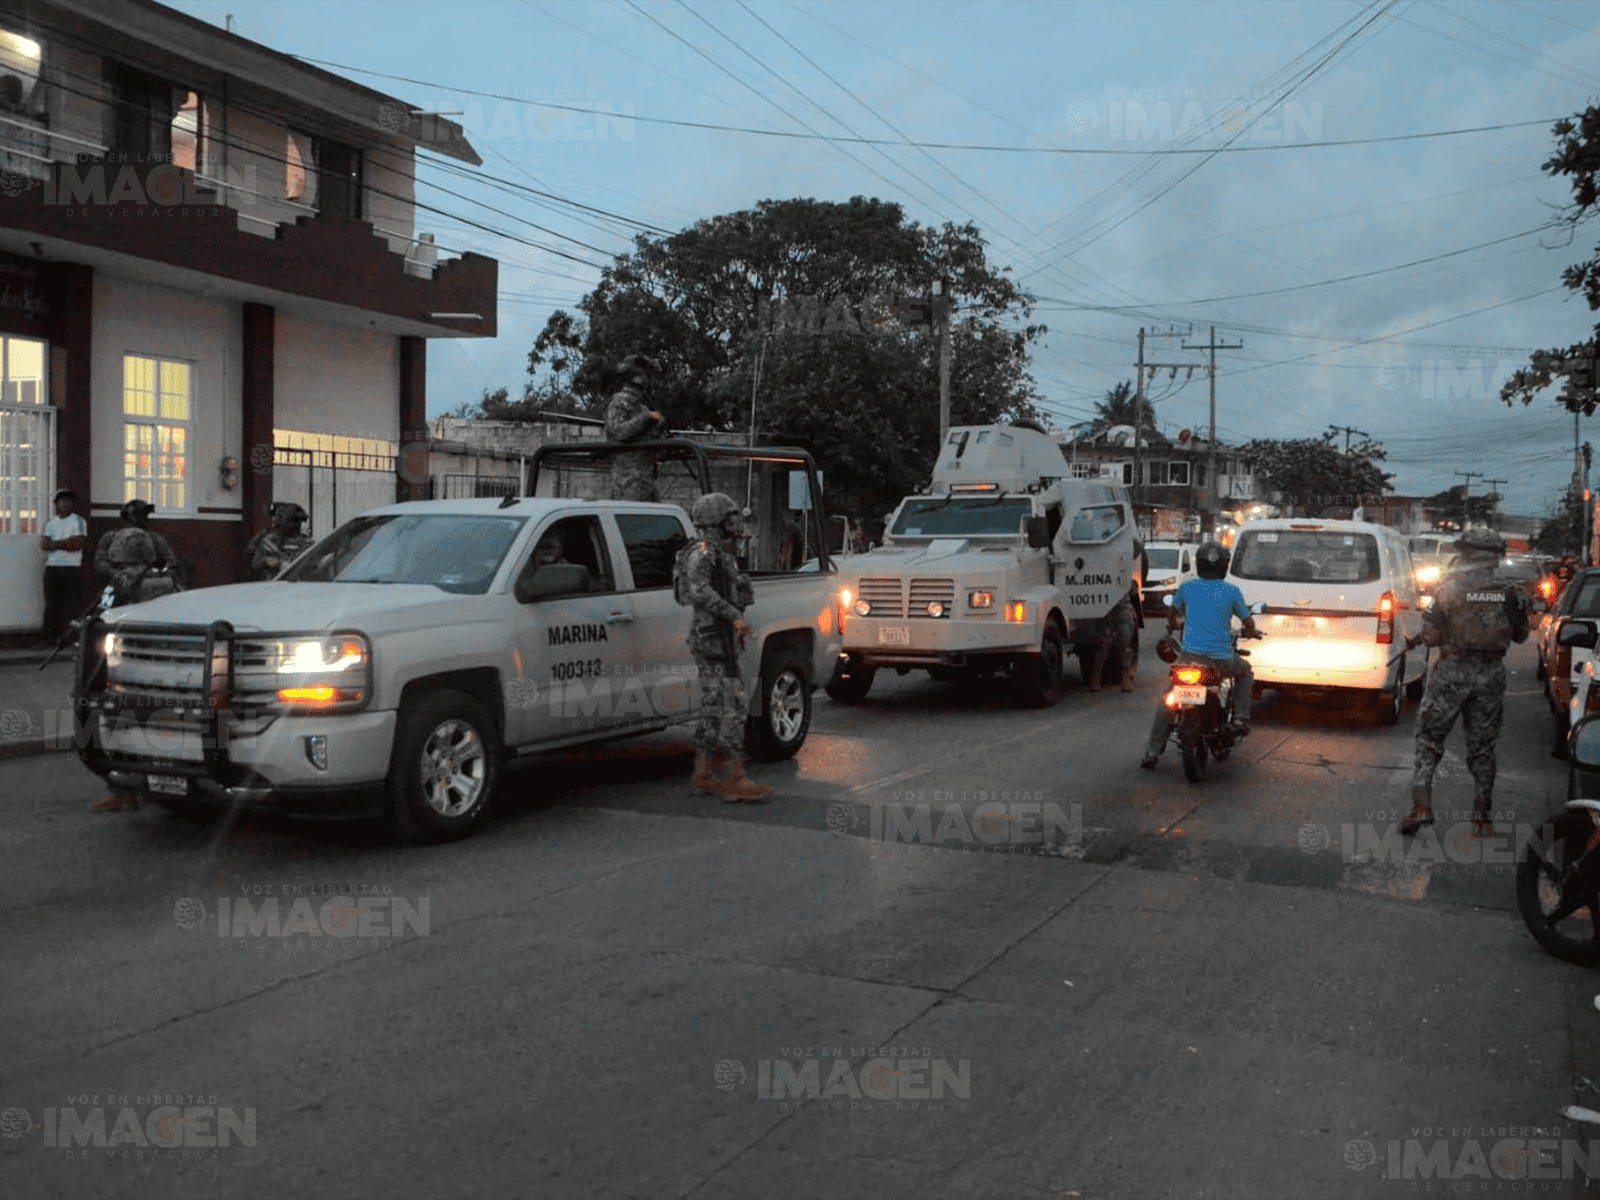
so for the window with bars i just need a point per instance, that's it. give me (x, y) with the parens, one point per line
(27, 430)
(157, 418)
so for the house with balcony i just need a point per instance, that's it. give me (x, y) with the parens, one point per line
(212, 284)
(1171, 482)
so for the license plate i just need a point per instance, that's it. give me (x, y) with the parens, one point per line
(1298, 624)
(1189, 695)
(894, 635)
(168, 785)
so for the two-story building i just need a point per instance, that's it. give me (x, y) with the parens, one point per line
(1175, 493)
(209, 264)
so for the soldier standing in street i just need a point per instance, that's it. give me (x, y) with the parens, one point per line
(1116, 630)
(126, 555)
(1473, 622)
(707, 576)
(268, 550)
(630, 419)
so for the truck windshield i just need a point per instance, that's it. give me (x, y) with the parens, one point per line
(456, 553)
(966, 517)
(1306, 556)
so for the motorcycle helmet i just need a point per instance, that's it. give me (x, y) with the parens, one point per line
(1211, 560)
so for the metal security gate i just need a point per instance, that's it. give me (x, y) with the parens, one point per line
(27, 463)
(332, 486)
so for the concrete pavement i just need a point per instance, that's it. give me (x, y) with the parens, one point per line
(35, 704)
(617, 1004)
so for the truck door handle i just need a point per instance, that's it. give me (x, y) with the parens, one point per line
(617, 618)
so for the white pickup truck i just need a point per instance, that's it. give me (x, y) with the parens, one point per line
(394, 666)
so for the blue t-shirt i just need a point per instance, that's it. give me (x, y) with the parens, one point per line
(1207, 606)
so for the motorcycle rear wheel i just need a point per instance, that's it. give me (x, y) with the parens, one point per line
(1562, 913)
(1193, 744)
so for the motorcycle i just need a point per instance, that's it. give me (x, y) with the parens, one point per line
(159, 579)
(1558, 879)
(1201, 698)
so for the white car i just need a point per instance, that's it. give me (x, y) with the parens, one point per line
(1342, 598)
(1170, 564)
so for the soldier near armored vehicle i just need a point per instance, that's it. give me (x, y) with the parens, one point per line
(283, 542)
(1116, 632)
(629, 418)
(706, 576)
(126, 556)
(1472, 623)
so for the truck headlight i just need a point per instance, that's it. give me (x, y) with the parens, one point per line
(936, 608)
(321, 672)
(980, 599)
(863, 608)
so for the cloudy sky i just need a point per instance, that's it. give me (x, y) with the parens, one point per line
(1290, 173)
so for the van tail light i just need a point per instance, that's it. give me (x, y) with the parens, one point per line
(1386, 619)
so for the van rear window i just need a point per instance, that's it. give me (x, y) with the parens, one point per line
(1307, 556)
(1163, 558)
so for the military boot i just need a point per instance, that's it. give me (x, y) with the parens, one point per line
(1421, 811)
(1482, 824)
(737, 786)
(1128, 671)
(708, 766)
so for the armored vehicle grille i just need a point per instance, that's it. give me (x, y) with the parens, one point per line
(925, 591)
(885, 596)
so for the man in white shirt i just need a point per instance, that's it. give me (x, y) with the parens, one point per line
(62, 542)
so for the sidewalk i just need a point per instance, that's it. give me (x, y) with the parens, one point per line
(35, 704)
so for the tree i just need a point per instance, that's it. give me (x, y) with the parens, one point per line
(1315, 475)
(1120, 407)
(1468, 510)
(1562, 531)
(794, 305)
(1578, 157)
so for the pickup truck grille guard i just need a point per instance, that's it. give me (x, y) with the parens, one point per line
(205, 703)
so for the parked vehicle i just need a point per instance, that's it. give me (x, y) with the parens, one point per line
(402, 660)
(1340, 597)
(1558, 879)
(1563, 655)
(1430, 558)
(1203, 699)
(1170, 564)
(1003, 565)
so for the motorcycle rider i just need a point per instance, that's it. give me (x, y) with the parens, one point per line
(1207, 605)
(1472, 622)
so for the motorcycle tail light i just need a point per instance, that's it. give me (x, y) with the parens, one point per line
(1386, 619)
(1188, 674)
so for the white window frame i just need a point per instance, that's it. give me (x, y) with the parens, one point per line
(149, 487)
(16, 502)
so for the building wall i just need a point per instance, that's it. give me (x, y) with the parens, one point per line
(391, 193)
(78, 104)
(336, 379)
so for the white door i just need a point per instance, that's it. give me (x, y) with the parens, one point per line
(27, 462)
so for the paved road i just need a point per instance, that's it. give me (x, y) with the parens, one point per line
(618, 988)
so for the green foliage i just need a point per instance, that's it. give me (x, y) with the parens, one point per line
(1313, 474)
(716, 306)
(1120, 407)
(1577, 156)
(1563, 532)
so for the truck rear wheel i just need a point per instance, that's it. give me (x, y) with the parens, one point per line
(1039, 677)
(782, 717)
(446, 756)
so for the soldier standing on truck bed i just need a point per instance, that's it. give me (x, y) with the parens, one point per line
(706, 575)
(629, 418)
(1473, 621)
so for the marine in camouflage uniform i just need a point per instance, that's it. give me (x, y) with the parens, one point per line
(629, 418)
(1116, 630)
(124, 558)
(1473, 622)
(707, 576)
(269, 550)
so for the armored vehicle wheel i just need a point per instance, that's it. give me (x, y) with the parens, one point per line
(781, 715)
(446, 756)
(850, 684)
(1039, 677)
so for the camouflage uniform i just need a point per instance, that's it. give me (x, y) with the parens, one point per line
(720, 593)
(1116, 630)
(268, 551)
(122, 558)
(628, 419)
(1472, 622)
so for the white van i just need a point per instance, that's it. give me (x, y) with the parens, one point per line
(1342, 598)
(1170, 564)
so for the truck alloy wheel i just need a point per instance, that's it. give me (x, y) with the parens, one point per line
(444, 767)
(782, 711)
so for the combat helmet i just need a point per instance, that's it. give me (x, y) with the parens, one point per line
(1211, 560)
(1481, 541)
(289, 511)
(137, 510)
(712, 509)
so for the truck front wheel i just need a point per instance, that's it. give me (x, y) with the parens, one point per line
(851, 683)
(782, 712)
(443, 771)
(1039, 677)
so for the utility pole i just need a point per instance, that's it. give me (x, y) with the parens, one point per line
(1466, 496)
(1347, 431)
(941, 314)
(1493, 491)
(1138, 406)
(1211, 453)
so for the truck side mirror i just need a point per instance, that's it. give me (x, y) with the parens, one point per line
(1259, 607)
(1167, 600)
(1038, 533)
(1579, 634)
(554, 579)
